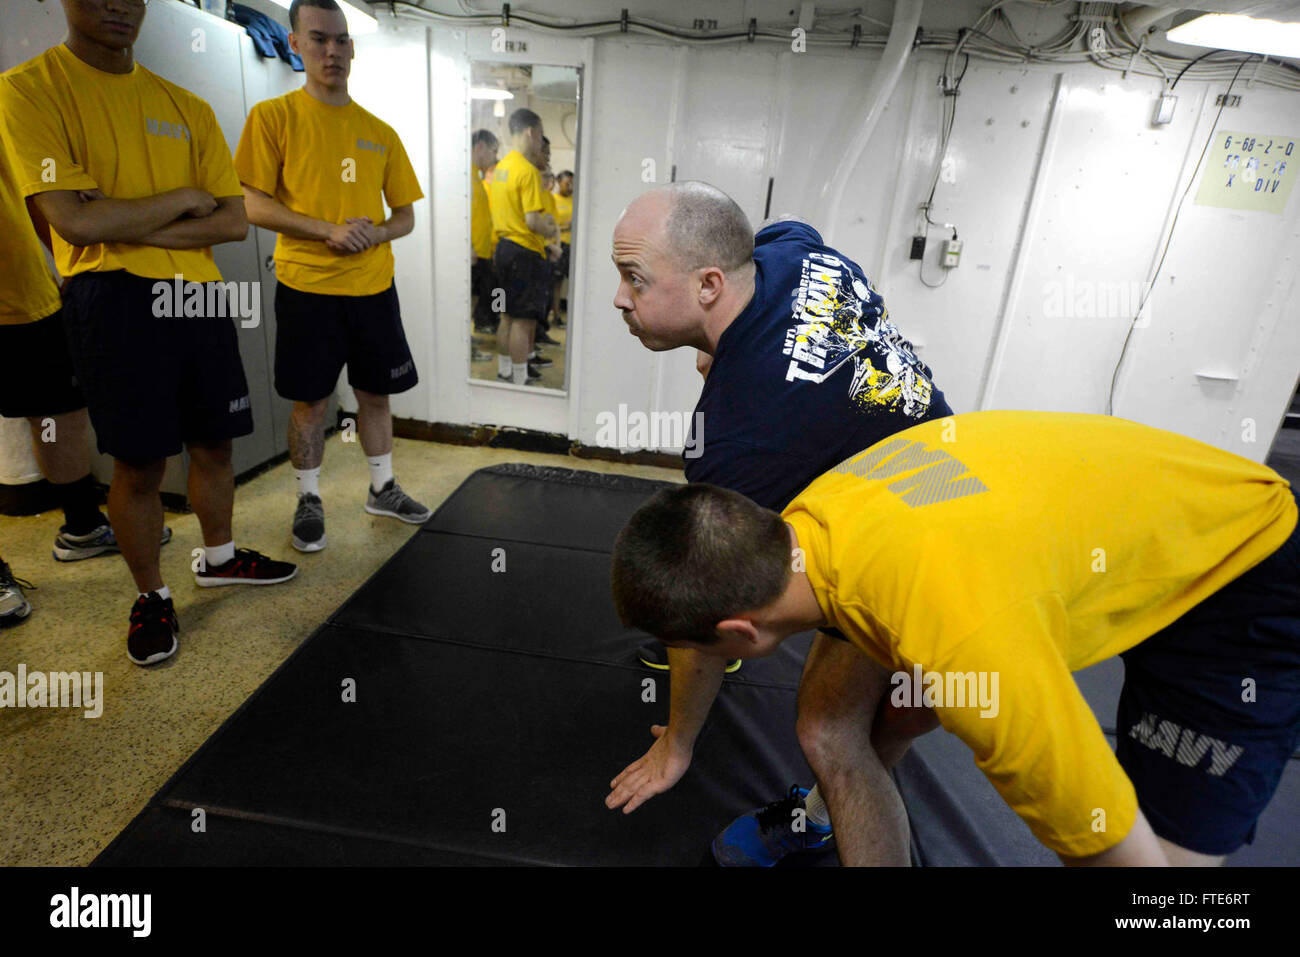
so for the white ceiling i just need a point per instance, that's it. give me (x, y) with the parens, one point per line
(1285, 10)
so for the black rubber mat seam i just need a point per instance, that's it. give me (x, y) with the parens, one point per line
(517, 541)
(610, 481)
(549, 656)
(320, 828)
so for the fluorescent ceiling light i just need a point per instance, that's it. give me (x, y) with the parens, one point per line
(1232, 31)
(489, 93)
(360, 22)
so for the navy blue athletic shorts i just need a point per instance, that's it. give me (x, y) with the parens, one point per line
(1210, 710)
(154, 378)
(524, 276)
(38, 379)
(316, 335)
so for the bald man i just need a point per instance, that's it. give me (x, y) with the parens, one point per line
(803, 369)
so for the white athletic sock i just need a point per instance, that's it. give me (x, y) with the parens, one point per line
(520, 374)
(816, 808)
(163, 593)
(308, 481)
(219, 554)
(381, 470)
(503, 365)
(533, 354)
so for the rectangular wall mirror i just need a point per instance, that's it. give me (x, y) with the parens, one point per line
(517, 263)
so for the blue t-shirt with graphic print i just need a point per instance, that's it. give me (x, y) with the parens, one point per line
(811, 372)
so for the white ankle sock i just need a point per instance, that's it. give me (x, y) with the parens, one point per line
(503, 365)
(308, 481)
(381, 470)
(520, 374)
(816, 808)
(219, 554)
(163, 592)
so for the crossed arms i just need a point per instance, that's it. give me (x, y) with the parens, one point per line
(184, 218)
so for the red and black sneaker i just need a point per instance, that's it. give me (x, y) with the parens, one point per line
(152, 637)
(246, 568)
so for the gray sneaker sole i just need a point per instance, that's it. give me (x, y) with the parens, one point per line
(315, 546)
(412, 520)
(17, 616)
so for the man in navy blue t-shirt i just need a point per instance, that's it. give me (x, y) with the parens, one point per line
(803, 369)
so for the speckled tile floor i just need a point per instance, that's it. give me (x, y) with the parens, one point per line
(69, 784)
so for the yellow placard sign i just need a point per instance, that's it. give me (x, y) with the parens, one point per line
(1249, 171)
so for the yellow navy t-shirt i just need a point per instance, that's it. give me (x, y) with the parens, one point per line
(480, 217)
(563, 215)
(69, 126)
(516, 191)
(28, 291)
(1030, 545)
(332, 163)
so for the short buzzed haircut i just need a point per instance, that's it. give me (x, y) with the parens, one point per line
(696, 555)
(524, 119)
(318, 4)
(705, 228)
(563, 173)
(484, 136)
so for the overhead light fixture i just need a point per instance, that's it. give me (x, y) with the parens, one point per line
(360, 22)
(489, 93)
(1232, 31)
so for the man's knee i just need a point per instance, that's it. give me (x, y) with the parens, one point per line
(210, 456)
(310, 413)
(142, 477)
(371, 401)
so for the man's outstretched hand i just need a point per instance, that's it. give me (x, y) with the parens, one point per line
(653, 773)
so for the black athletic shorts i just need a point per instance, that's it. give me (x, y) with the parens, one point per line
(483, 280)
(37, 377)
(524, 276)
(153, 382)
(316, 335)
(1210, 710)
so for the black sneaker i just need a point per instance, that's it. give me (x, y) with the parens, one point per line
(654, 655)
(14, 607)
(152, 637)
(532, 374)
(246, 568)
(309, 524)
(543, 339)
(541, 361)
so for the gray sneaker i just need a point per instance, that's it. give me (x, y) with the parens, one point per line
(14, 607)
(309, 524)
(393, 502)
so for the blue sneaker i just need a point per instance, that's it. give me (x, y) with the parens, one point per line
(102, 541)
(761, 838)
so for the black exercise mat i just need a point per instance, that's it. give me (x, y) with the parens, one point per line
(459, 713)
(519, 691)
(442, 736)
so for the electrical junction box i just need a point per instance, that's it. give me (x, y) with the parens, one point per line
(1164, 112)
(951, 253)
